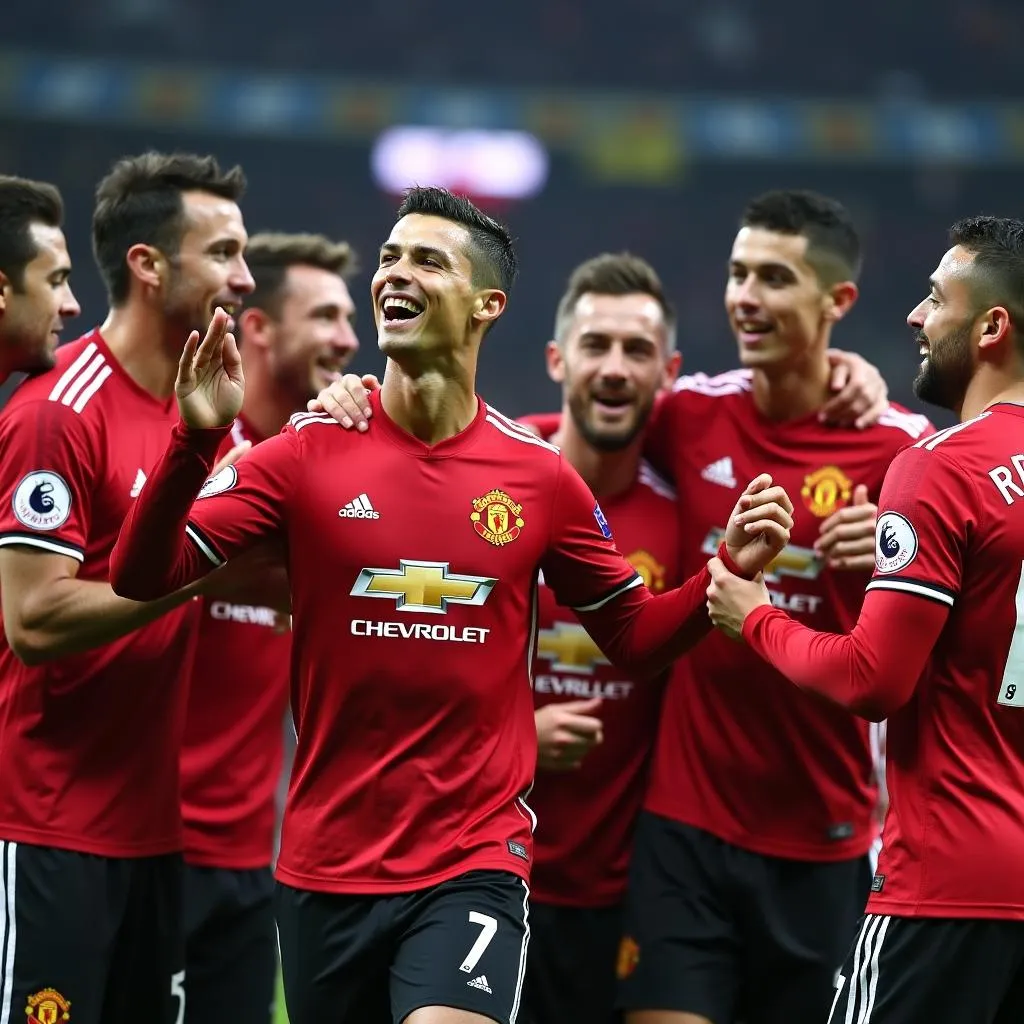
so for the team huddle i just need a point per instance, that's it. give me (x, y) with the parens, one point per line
(589, 707)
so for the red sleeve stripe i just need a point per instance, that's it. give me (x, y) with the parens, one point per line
(204, 544)
(635, 581)
(932, 591)
(33, 540)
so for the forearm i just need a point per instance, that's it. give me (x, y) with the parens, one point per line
(873, 670)
(153, 556)
(74, 615)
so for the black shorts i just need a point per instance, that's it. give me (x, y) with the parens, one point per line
(902, 970)
(102, 935)
(374, 959)
(718, 931)
(570, 967)
(230, 945)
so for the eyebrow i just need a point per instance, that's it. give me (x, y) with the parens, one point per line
(935, 287)
(393, 248)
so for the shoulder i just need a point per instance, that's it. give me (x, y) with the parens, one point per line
(721, 385)
(655, 484)
(898, 424)
(512, 437)
(952, 441)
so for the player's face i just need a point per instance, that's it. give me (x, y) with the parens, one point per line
(209, 269)
(423, 294)
(943, 325)
(313, 338)
(775, 302)
(611, 364)
(32, 316)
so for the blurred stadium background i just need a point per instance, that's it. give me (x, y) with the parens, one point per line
(588, 125)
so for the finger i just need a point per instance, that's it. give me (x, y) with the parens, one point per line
(879, 406)
(582, 707)
(582, 725)
(854, 563)
(231, 457)
(186, 371)
(232, 359)
(774, 535)
(776, 494)
(330, 403)
(770, 511)
(718, 570)
(840, 372)
(861, 530)
(852, 548)
(759, 483)
(314, 405)
(370, 382)
(860, 495)
(213, 341)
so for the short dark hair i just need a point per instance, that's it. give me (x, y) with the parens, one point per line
(619, 273)
(22, 204)
(494, 258)
(269, 254)
(833, 245)
(140, 201)
(997, 277)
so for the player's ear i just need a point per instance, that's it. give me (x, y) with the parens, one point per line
(489, 305)
(254, 328)
(556, 362)
(673, 365)
(996, 326)
(840, 300)
(146, 264)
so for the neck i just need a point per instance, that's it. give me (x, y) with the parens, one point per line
(138, 339)
(434, 402)
(266, 408)
(607, 474)
(795, 390)
(988, 386)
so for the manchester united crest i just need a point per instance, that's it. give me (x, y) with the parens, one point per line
(651, 571)
(826, 490)
(47, 1007)
(629, 957)
(497, 518)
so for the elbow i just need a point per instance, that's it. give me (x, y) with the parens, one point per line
(877, 707)
(30, 646)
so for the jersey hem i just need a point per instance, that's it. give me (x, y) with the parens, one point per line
(77, 844)
(368, 886)
(960, 911)
(815, 853)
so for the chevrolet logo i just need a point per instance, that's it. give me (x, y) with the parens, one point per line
(423, 586)
(569, 648)
(793, 561)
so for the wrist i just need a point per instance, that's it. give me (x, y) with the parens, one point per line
(730, 563)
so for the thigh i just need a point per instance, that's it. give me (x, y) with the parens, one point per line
(463, 944)
(680, 948)
(800, 919)
(59, 913)
(903, 970)
(230, 946)
(150, 947)
(570, 965)
(335, 954)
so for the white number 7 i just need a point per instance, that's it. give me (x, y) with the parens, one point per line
(178, 991)
(488, 926)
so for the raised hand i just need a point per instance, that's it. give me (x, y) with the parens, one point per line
(759, 526)
(210, 384)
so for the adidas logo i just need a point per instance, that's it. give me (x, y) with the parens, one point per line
(480, 983)
(359, 508)
(720, 472)
(140, 482)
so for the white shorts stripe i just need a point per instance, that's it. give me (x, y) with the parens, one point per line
(863, 989)
(8, 926)
(522, 956)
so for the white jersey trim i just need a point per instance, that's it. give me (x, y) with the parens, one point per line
(657, 483)
(517, 433)
(53, 546)
(636, 581)
(732, 382)
(305, 419)
(201, 543)
(910, 423)
(82, 379)
(932, 441)
(931, 591)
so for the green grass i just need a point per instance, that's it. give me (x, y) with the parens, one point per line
(280, 1017)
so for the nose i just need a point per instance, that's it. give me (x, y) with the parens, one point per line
(915, 318)
(241, 281)
(613, 365)
(344, 342)
(69, 307)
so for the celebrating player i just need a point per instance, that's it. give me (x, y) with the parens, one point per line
(614, 350)
(92, 699)
(296, 334)
(407, 838)
(937, 650)
(35, 273)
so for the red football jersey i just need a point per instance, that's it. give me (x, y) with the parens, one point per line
(951, 529)
(738, 753)
(89, 743)
(414, 580)
(585, 817)
(233, 746)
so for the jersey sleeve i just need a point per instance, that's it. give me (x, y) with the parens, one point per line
(48, 469)
(639, 632)
(661, 431)
(181, 527)
(925, 511)
(545, 422)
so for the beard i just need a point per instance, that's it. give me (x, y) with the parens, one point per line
(608, 439)
(948, 369)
